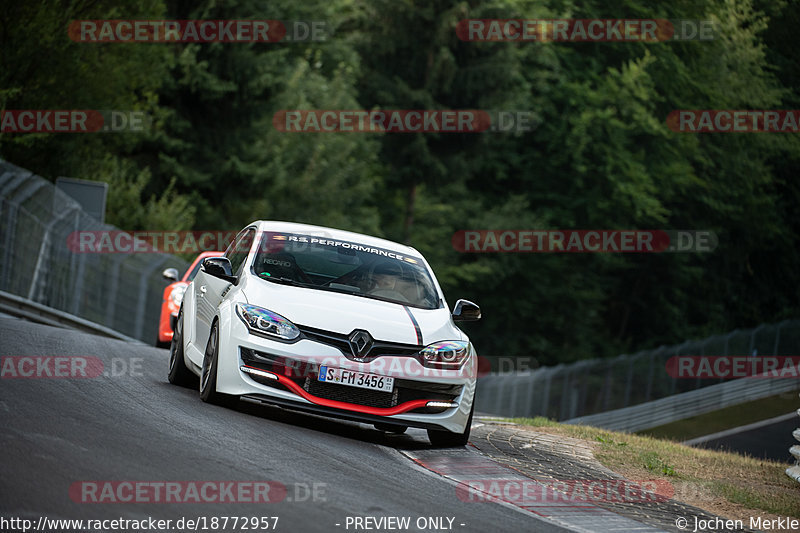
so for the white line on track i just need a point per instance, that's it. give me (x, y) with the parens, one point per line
(740, 429)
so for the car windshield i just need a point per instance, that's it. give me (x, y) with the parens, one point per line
(341, 266)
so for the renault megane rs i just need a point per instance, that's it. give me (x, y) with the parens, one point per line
(330, 322)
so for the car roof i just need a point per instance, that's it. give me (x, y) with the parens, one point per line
(335, 234)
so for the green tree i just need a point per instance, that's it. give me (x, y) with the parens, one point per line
(44, 69)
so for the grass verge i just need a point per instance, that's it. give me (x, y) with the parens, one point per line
(730, 417)
(727, 484)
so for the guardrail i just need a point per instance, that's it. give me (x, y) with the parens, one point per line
(688, 404)
(593, 386)
(794, 471)
(122, 292)
(22, 307)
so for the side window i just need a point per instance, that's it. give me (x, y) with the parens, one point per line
(238, 250)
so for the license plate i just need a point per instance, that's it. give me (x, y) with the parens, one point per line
(362, 380)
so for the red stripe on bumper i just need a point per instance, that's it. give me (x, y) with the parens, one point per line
(380, 411)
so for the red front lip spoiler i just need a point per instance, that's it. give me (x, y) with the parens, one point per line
(380, 411)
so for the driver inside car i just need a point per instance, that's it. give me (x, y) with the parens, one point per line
(385, 276)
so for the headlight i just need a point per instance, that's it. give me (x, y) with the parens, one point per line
(262, 321)
(445, 355)
(176, 297)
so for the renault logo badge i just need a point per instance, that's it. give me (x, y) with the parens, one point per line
(360, 343)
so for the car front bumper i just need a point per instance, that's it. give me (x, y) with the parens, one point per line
(285, 374)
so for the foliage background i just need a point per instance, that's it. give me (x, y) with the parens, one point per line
(601, 156)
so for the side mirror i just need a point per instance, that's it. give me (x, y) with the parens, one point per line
(219, 267)
(170, 274)
(465, 311)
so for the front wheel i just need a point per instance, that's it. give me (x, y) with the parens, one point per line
(441, 438)
(178, 373)
(208, 376)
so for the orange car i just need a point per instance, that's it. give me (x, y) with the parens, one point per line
(173, 296)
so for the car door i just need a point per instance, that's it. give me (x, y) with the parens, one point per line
(209, 290)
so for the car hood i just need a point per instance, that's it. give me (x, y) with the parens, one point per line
(342, 313)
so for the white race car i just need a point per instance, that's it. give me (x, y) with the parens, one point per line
(330, 322)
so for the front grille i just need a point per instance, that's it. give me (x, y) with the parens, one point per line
(343, 393)
(342, 342)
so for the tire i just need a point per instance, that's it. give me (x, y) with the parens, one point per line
(178, 373)
(208, 376)
(391, 428)
(441, 438)
(160, 344)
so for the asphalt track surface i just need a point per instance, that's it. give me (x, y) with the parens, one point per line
(766, 442)
(134, 426)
